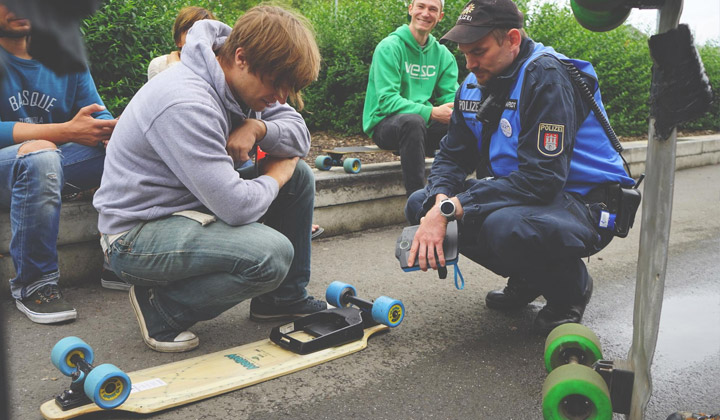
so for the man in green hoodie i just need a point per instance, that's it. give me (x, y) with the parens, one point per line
(410, 92)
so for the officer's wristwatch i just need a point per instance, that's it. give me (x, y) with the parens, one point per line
(447, 209)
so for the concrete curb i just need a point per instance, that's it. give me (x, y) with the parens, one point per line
(344, 203)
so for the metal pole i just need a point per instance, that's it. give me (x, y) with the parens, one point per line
(654, 239)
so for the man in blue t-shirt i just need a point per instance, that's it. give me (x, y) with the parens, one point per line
(52, 134)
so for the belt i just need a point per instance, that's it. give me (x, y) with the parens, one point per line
(608, 194)
(107, 240)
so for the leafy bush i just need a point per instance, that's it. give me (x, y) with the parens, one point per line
(122, 38)
(125, 35)
(620, 57)
(347, 38)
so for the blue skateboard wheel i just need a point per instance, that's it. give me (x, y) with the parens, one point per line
(335, 292)
(107, 386)
(388, 311)
(352, 165)
(324, 163)
(65, 349)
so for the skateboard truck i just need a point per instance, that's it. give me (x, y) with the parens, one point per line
(75, 396)
(105, 385)
(336, 326)
(619, 378)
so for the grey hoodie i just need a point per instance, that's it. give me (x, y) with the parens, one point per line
(167, 152)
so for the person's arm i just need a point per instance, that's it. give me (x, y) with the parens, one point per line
(86, 94)
(91, 124)
(199, 160)
(279, 130)
(83, 129)
(548, 107)
(286, 134)
(549, 101)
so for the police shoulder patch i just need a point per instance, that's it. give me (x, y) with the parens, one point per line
(551, 139)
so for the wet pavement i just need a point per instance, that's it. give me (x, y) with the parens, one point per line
(451, 358)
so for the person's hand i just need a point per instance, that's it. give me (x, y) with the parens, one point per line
(281, 169)
(442, 113)
(429, 238)
(86, 130)
(243, 137)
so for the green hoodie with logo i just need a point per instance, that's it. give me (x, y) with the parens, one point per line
(406, 78)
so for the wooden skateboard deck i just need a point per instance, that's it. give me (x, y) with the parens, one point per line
(354, 149)
(178, 383)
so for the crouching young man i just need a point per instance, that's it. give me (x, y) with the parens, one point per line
(178, 221)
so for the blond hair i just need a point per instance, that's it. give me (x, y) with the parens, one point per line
(185, 19)
(278, 43)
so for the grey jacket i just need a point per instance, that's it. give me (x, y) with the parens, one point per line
(167, 152)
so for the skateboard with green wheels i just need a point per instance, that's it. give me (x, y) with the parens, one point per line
(580, 383)
(573, 389)
(337, 157)
(303, 343)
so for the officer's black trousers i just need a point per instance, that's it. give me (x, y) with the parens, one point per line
(543, 244)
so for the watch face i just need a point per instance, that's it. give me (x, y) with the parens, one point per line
(447, 208)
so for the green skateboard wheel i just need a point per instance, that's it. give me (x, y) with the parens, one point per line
(600, 21)
(574, 392)
(574, 339)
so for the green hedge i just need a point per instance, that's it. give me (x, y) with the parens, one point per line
(125, 35)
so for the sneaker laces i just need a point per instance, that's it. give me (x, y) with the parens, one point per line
(49, 293)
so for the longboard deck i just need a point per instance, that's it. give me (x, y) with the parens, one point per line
(355, 149)
(174, 384)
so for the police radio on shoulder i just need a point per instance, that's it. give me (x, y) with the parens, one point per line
(447, 209)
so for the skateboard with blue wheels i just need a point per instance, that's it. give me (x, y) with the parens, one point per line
(105, 385)
(337, 157)
(348, 321)
(163, 387)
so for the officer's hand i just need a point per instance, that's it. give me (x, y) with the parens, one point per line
(243, 137)
(428, 241)
(442, 113)
(86, 130)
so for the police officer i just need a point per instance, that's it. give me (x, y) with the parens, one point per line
(535, 208)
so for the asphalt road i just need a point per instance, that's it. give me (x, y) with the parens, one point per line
(451, 358)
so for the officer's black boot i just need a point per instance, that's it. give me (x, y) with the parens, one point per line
(553, 315)
(516, 295)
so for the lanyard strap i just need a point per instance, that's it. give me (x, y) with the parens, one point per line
(461, 285)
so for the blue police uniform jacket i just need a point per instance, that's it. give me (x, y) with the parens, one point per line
(548, 141)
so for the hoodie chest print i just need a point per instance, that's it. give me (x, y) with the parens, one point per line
(417, 71)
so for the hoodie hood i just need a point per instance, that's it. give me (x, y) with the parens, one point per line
(203, 40)
(404, 33)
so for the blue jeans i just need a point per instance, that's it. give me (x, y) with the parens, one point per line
(31, 186)
(197, 272)
(543, 244)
